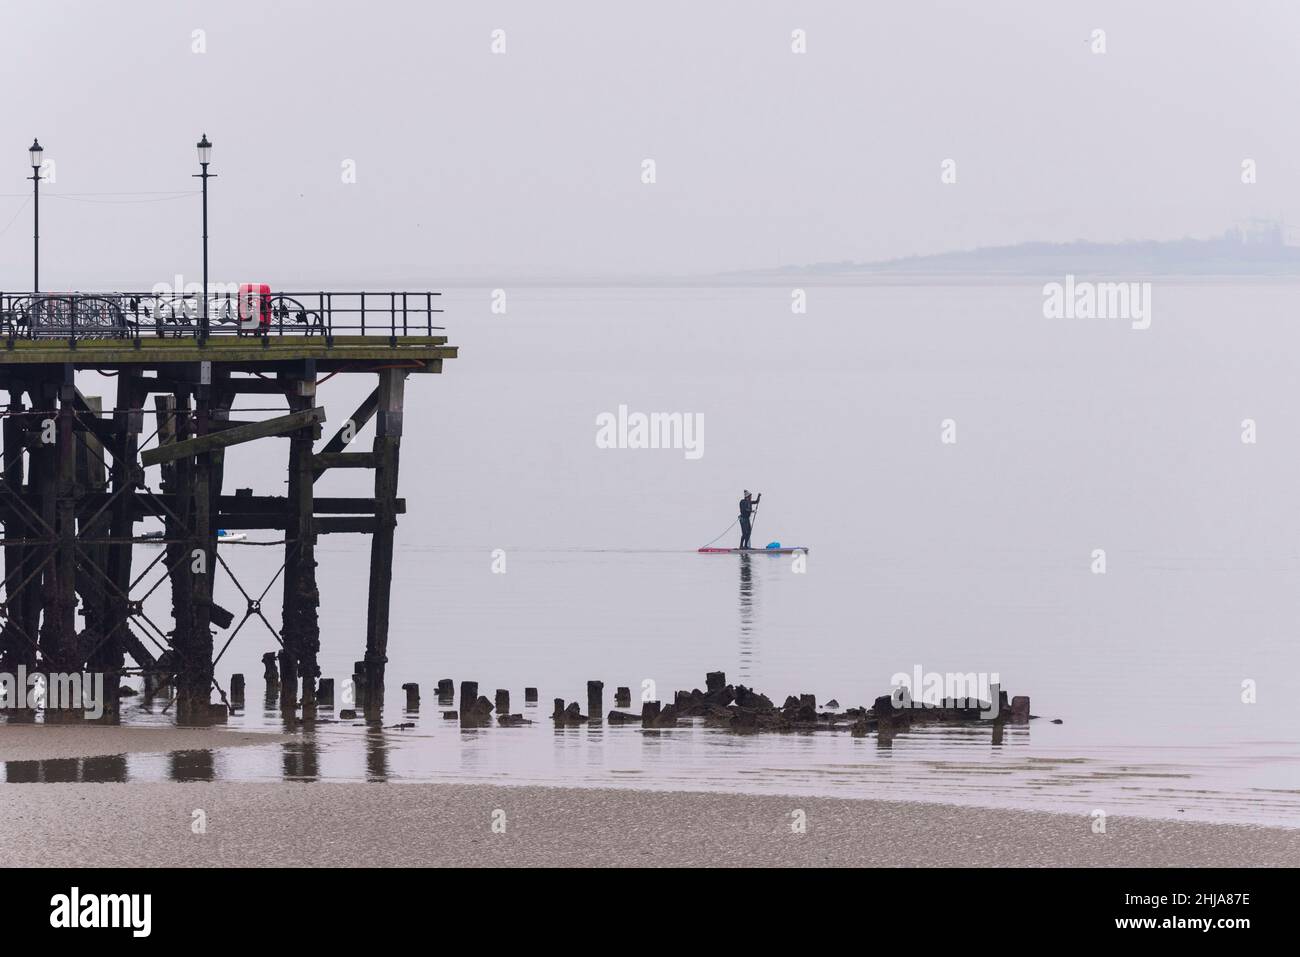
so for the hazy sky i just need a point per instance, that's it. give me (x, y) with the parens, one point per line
(477, 165)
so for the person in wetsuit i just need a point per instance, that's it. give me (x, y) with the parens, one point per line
(747, 506)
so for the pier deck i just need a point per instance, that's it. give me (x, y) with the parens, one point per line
(239, 353)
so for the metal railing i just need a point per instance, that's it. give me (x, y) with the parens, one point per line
(134, 315)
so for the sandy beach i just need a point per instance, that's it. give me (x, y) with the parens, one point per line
(337, 825)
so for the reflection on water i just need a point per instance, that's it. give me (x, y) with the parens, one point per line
(987, 764)
(103, 769)
(192, 766)
(748, 651)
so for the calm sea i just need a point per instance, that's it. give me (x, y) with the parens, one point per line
(978, 555)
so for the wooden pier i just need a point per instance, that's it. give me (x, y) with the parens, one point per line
(79, 474)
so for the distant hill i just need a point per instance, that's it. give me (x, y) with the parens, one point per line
(1257, 250)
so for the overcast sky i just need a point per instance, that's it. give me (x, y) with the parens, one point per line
(471, 164)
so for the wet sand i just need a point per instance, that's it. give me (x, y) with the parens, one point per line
(40, 742)
(452, 825)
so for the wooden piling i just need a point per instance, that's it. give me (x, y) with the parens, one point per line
(649, 713)
(202, 560)
(530, 695)
(502, 703)
(468, 694)
(595, 699)
(412, 696)
(59, 506)
(237, 690)
(388, 438)
(126, 476)
(301, 631)
(16, 644)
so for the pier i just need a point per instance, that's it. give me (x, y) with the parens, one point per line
(79, 474)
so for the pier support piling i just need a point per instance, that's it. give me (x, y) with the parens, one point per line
(388, 438)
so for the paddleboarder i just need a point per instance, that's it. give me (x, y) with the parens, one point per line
(748, 505)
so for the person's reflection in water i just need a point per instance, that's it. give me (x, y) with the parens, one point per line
(748, 647)
(192, 766)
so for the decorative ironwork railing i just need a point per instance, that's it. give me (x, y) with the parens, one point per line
(136, 315)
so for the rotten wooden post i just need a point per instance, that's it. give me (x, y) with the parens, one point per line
(468, 695)
(412, 690)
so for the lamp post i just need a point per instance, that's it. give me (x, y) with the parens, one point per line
(35, 153)
(205, 157)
